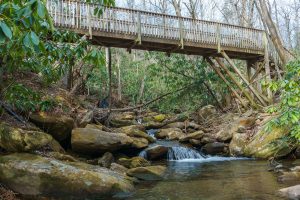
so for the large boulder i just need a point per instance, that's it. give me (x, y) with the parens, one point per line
(136, 131)
(29, 174)
(94, 141)
(19, 140)
(292, 193)
(238, 126)
(195, 135)
(59, 127)
(122, 119)
(134, 162)
(274, 143)
(156, 152)
(150, 173)
(169, 133)
(215, 148)
(238, 143)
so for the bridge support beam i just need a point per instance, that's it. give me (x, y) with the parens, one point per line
(263, 100)
(219, 73)
(237, 83)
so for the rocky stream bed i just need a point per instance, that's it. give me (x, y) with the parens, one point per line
(153, 156)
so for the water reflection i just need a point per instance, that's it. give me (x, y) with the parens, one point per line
(228, 180)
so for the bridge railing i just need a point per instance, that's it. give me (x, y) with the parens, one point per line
(80, 15)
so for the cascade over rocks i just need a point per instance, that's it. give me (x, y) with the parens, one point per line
(93, 141)
(19, 140)
(151, 173)
(30, 174)
(60, 127)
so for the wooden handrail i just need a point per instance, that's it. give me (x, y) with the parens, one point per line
(80, 15)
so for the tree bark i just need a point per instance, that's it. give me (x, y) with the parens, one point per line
(119, 79)
(108, 65)
(274, 34)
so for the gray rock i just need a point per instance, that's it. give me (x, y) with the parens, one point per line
(292, 193)
(30, 174)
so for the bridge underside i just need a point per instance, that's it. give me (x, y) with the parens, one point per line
(129, 42)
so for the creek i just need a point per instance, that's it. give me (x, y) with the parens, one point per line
(191, 175)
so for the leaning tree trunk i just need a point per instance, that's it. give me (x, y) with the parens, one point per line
(274, 34)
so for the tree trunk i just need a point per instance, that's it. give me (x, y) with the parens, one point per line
(275, 36)
(108, 65)
(141, 93)
(119, 79)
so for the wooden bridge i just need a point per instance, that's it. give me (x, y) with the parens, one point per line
(135, 29)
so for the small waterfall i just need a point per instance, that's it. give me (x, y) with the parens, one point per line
(180, 153)
(152, 132)
(143, 154)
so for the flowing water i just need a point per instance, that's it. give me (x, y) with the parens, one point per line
(193, 176)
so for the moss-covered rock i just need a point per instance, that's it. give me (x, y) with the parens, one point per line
(160, 117)
(169, 133)
(136, 131)
(94, 141)
(148, 173)
(238, 143)
(122, 119)
(139, 143)
(94, 126)
(19, 140)
(30, 174)
(134, 162)
(274, 143)
(59, 127)
(195, 135)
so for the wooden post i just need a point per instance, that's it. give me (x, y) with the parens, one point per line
(249, 73)
(219, 73)
(89, 21)
(255, 92)
(139, 30)
(247, 95)
(267, 66)
(181, 32)
(218, 38)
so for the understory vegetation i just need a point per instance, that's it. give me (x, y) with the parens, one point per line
(32, 48)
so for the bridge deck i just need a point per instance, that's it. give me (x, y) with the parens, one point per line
(135, 29)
